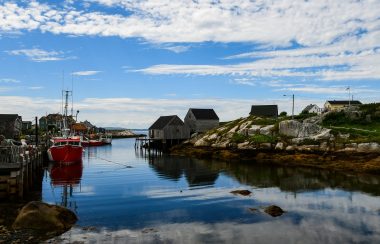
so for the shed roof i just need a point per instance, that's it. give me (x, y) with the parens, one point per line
(264, 110)
(204, 113)
(9, 116)
(344, 102)
(163, 121)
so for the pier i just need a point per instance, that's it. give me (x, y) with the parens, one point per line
(20, 169)
(161, 145)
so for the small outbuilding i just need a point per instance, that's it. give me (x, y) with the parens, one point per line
(270, 111)
(340, 104)
(168, 128)
(201, 120)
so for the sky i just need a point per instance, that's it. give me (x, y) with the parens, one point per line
(130, 61)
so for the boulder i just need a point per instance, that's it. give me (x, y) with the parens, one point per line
(324, 134)
(44, 217)
(222, 144)
(290, 148)
(244, 145)
(267, 130)
(202, 143)
(324, 146)
(368, 147)
(280, 146)
(308, 130)
(266, 145)
(289, 128)
(255, 129)
(241, 192)
(274, 211)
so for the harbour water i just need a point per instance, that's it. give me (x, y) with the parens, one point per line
(125, 196)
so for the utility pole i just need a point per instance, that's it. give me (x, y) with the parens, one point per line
(293, 107)
(349, 96)
(292, 104)
(36, 131)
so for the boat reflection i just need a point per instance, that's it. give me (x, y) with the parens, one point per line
(66, 177)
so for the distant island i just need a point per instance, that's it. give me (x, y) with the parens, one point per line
(117, 132)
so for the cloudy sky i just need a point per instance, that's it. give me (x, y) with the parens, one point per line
(130, 61)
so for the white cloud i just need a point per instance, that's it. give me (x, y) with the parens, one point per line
(39, 55)
(244, 81)
(86, 72)
(276, 23)
(177, 49)
(8, 80)
(35, 87)
(142, 112)
(328, 40)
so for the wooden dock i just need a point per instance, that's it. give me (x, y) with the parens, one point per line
(161, 145)
(20, 167)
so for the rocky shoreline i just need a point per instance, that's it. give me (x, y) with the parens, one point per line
(303, 142)
(342, 161)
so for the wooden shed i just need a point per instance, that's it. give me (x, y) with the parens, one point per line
(168, 128)
(201, 120)
(264, 111)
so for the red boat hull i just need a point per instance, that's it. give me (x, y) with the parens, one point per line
(92, 143)
(65, 153)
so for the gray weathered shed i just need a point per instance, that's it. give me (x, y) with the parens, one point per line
(169, 127)
(264, 111)
(201, 120)
(10, 125)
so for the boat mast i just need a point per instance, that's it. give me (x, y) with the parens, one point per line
(65, 122)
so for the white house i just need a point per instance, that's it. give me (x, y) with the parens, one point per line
(312, 108)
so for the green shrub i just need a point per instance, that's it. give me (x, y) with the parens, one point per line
(238, 138)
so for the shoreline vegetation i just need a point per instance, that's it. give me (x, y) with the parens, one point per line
(346, 140)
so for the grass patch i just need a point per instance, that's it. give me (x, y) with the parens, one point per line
(258, 138)
(357, 135)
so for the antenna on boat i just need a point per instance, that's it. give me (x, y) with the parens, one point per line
(63, 88)
(72, 94)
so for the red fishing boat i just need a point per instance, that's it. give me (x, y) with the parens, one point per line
(66, 149)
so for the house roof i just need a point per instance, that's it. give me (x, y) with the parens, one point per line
(204, 113)
(163, 121)
(345, 102)
(308, 107)
(9, 116)
(264, 110)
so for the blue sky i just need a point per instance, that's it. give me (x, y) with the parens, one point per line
(132, 61)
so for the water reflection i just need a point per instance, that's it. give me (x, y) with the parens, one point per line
(66, 178)
(173, 168)
(132, 196)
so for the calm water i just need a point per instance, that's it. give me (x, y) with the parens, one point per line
(123, 196)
